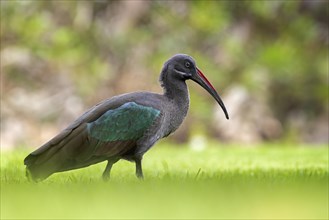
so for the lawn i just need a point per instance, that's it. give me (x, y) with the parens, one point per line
(264, 182)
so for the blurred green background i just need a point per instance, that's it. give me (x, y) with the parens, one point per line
(267, 59)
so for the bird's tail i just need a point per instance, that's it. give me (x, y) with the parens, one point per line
(35, 172)
(64, 152)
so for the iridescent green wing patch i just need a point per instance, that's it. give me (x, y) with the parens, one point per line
(127, 122)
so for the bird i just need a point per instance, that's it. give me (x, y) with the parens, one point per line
(122, 127)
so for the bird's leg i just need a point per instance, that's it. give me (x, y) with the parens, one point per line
(139, 171)
(107, 171)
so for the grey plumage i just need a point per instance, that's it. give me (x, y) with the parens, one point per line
(81, 144)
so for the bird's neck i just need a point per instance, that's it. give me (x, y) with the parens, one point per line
(177, 101)
(177, 92)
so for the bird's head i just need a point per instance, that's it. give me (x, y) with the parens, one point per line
(183, 67)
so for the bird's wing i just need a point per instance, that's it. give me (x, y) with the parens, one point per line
(91, 115)
(126, 123)
(87, 141)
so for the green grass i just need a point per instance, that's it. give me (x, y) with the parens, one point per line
(267, 182)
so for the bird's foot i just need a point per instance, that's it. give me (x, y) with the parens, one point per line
(140, 176)
(106, 177)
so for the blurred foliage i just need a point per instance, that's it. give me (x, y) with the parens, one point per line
(278, 50)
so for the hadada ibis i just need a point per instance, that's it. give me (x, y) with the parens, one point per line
(122, 127)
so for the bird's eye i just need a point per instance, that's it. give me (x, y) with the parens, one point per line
(187, 64)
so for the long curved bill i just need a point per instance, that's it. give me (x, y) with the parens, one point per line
(203, 81)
